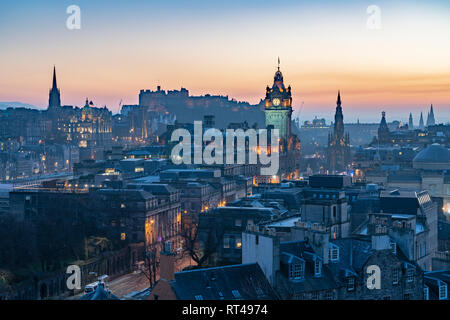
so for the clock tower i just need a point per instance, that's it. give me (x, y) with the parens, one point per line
(278, 107)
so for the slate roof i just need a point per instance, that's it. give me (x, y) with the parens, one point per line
(405, 178)
(153, 188)
(99, 294)
(236, 282)
(129, 194)
(353, 254)
(301, 250)
(431, 280)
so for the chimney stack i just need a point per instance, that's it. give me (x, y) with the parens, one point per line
(380, 242)
(167, 266)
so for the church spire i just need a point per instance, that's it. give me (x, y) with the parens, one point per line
(55, 86)
(278, 63)
(421, 123)
(430, 120)
(54, 100)
(339, 98)
(410, 122)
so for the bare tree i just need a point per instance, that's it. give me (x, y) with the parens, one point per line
(201, 245)
(151, 264)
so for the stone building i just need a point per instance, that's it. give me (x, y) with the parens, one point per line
(315, 267)
(339, 157)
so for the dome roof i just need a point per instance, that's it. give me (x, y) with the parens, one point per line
(433, 154)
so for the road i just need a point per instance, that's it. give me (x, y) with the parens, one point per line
(135, 281)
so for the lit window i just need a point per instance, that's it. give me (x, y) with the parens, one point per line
(123, 236)
(238, 243)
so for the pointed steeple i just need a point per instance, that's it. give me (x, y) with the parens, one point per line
(54, 100)
(410, 122)
(430, 120)
(339, 119)
(55, 86)
(421, 123)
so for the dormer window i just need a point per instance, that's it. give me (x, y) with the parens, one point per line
(333, 252)
(350, 284)
(393, 246)
(317, 268)
(296, 271)
(442, 290)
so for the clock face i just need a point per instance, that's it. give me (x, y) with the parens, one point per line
(276, 102)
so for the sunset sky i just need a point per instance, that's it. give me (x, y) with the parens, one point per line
(231, 48)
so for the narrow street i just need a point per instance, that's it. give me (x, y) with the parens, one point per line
(136, 281)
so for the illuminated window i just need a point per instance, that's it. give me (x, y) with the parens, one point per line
(238, 243)
(123, 236)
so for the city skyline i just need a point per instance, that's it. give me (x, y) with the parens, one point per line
(232, 50)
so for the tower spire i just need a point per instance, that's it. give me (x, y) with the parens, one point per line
(278, 63)
(55, 86)
(54, 100)
(421, 123)
(339, 98)
(431, 120)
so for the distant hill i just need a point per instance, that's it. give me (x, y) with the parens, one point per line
(6, 105)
